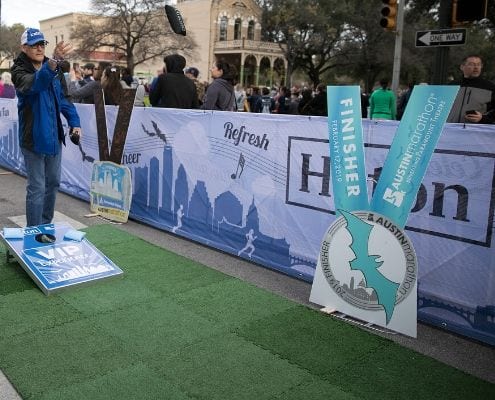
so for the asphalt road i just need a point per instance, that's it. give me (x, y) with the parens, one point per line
(465, 354)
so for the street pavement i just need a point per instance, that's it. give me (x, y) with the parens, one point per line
(465, 354)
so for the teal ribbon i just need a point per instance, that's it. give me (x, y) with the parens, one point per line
(345, 134)
(411, 151)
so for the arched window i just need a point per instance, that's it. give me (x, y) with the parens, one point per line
(250, 32)
(223, 28)
(237, 29)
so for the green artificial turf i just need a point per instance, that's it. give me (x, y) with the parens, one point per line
(171, 328)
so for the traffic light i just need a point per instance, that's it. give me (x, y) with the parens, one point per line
(465, 11)
(389, 15)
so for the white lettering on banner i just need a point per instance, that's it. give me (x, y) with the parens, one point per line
(336, 162)
(348, 135)
(425, 124)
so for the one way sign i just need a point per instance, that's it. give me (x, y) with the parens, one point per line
(445, 37)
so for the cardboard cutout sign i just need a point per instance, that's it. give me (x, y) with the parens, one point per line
(367, 266)
(111, 191)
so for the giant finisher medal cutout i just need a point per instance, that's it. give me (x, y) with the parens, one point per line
(111, 183)
(367, 266)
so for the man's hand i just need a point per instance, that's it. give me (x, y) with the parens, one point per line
(61, 49)
(474, 117)
(75, 135)
(77, 131)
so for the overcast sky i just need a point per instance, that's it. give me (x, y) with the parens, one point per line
(30, 12)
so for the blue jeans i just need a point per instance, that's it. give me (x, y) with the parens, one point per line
(43, 181)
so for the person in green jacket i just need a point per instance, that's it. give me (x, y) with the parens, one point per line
(382, 102)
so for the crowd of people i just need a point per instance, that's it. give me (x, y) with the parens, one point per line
(179, 86)
(474, 103)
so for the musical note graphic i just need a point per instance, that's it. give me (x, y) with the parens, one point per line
(257, 162)
(240, 163)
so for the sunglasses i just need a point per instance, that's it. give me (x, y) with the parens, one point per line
(41, 44)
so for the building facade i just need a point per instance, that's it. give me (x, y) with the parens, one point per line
(231, 30)
(222, 29)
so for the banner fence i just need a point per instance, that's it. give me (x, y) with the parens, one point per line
(258, 186)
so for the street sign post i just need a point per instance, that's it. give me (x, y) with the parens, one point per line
(443, 37)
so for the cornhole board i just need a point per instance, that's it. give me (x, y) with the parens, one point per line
(61, 264)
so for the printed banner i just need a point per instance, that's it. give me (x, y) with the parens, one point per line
(411, 151)
(237, 172)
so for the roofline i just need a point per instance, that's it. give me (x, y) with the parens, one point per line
(66, 14)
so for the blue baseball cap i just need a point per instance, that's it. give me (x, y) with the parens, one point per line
(32, 36)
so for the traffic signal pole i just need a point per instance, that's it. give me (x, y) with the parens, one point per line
(398, 46)
(442, 55)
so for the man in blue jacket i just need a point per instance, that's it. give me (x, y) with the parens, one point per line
(41, 134)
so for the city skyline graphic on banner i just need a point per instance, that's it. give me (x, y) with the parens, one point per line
(187, 209)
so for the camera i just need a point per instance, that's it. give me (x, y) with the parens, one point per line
(74, 136)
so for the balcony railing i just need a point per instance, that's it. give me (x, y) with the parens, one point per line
(243, 44)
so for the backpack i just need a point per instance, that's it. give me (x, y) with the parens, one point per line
(266, 104)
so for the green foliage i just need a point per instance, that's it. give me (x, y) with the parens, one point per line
(10, 37)
(311, 33)
(342, 41)
(370, 47)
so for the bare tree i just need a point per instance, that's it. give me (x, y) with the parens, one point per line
(134, 30)
(311, 32)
